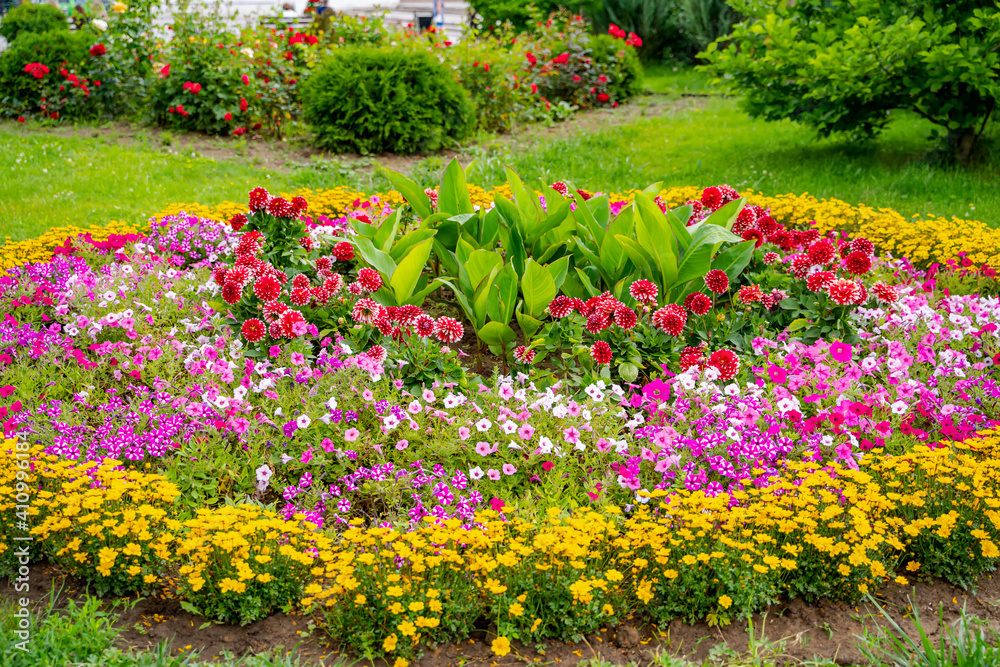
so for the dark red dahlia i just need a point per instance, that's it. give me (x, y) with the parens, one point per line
(771, 258)
(698, 303)
(691, 356)
(561, 188)
(717, 281)
(861, 244)
(858, 263)
(254, 330)
(231, 292)
(749, 294)
(755, 235)
(219, 276)
(597, 323)
(237, 222)
(821, 251)
(524, 354)
(712, 198)
(601, 353)
(299, 204)
(671, 318)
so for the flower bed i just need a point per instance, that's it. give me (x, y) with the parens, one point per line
(360, 407)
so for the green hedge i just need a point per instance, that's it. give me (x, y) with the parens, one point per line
(32, 18)
(375, 100)
(52, 49)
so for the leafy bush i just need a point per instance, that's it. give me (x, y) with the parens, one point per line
(32, 19)
(523, 14)
(374, 100)
(656, 21)
(621, 65)
(21, 90)
(845, 67)
(701, 22)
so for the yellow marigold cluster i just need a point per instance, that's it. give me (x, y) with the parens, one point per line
(39, 249)
(17, 482)
(105, 524)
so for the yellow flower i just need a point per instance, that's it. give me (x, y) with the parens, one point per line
(389, 645)
(725, 602)
(407, 628)
(516, 609)
(400, 662)
(534, 626)
(608, 610)
(500, 646)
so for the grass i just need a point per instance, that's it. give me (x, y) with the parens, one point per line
(48, 180)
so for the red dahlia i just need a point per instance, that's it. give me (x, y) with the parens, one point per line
(698, 303)
(561, 188)
(767, 226)
(254, 330)
(237, 222)
(771, 258)
(408, 315)
(671, 318)
(299, 204)
(754, 234)
(844, 292)
(300, 281)
(300, 296)
(292, 323)
(821, 251)
(343, 251)
(258, 199)
(333, 283)
(717, 281)
(885, 293)
(307, 243)
(858, 263)
(324, 264)
(644, 291)
(377, 352)
(601, 353)
(231, 292)
(820, 281)
(448, 330)
(275, 330)
(691, 356)
(749, 294)
(273, 309)
(267, 288)
(219, 276)
(712, 198)
(625, 317)
(727, 363)
(658, 200)
(800, 266)
(745, 220)
(369, 279)
(524, 354)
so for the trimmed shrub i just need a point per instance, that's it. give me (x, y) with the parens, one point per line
(18, 89)
(375, 100)
(31, 18)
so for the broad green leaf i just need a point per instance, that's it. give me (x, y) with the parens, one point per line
(489, 228)
(503, 299)
(404, 278)
(376, 258)
(481, 299)
(726, 215)
(453, 195)
(525, 199)
(529, 325)
(628, 371)
(418, 296)
(403, 245)
(734, 259)
(680, 229)
(510, 214)
(639, 256)
(386, 232)
(499, 334)
(538, 288)
(412, 193)
(654, 234)
(558, 270)
(515, 251)
(795, 325)
(653, 190)
(479, 265)
(587, 284)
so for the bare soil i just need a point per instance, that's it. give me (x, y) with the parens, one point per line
(797, 631)
(286, 155)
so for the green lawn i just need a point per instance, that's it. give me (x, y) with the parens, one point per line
(48, 180)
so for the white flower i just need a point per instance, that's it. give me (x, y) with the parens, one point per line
(899, 407)
(248, 52)
(476, 473)
(303, 421)
(509, 426)
(264, 474)
(332, 403)
(483, 425)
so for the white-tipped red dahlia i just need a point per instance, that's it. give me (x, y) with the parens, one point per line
(524, 354)
(671, 318)
(861, 244)
(377, 352)
(858, 263)
(369, 279)
(698, 303)
(343, 252)
(771, 258)
(749, 294)
(425, 326)
(280, 207)
(292, 323)
(366, 311)
(258, 199)
(561, 306)
(843, 292)
(820, 281)
(272, 310)
(727, 363)
(644, 291)
(448, 330)
(561, 188)
(885, 293)
(717, 281)
(267, 288)
(231, 292)
(625, 317)
(300, 296)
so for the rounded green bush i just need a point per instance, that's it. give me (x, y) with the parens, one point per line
(31, 18)
(51, 49)
(381, 100)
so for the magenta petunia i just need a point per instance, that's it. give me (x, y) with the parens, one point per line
(842, 352)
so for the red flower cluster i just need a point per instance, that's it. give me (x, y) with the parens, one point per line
(724, 365)
(193, 88)
(601, 353)
(644, 291)
(370, 280)
(717, 281)
(524, 354)
(98, 50)
(37, 70)
(343, 251)
(631, 39)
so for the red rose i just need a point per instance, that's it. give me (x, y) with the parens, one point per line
(603, 97)
(245, 79)
(228, 116)
(243, 104)
(20, 119)
(98, 50)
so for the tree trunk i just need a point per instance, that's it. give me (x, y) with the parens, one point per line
(965, 142)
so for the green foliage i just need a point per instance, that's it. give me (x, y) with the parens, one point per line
(657, 22)
(346, 29)
(841, 67)
(29, 18)
(373, 100)
(620, 63)
(194, 57)
(701, 22)
(524, 14)
(20, 91)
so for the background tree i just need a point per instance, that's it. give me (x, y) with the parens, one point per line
(845, 66)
